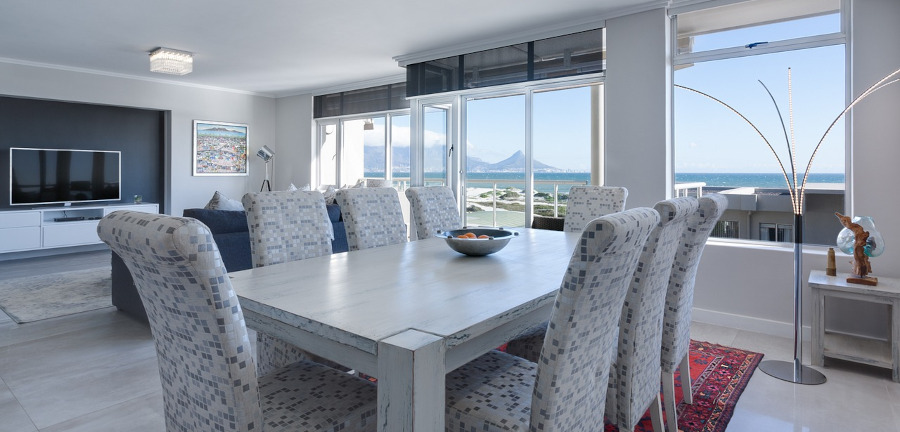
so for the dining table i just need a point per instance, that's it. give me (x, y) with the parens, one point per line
(409, 313)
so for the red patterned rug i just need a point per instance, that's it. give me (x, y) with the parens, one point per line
(719, 375)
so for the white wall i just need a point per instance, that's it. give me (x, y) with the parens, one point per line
(185, 103)
(295, 135)
(638, 93)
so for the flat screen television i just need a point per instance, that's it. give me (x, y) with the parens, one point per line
(51, 176)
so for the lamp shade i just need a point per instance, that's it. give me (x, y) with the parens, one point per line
(265, 153)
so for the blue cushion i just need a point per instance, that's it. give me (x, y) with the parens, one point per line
(220, 221)
(339, 244)
(334, 213)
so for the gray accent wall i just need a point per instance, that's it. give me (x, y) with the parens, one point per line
(137, 133)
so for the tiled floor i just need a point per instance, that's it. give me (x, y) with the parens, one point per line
(96, 371)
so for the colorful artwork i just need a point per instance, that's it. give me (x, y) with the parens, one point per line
(220, 149)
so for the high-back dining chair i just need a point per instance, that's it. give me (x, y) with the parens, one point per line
(676, 336)
(587, 203)
(433, 208)
(285, 226)
(372, 217)
(206, 367)
(502, 392)
(634, 375)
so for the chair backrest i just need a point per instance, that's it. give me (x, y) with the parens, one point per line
(583, 321)
(680, 292)
(636, 371)
(587, 203)
(372, 217)
(287, 226)
(433, 208)
(205, 362)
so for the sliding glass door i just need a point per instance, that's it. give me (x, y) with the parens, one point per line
(495, 161)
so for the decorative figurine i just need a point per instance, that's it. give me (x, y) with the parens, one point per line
(830, 266)
(864, 245)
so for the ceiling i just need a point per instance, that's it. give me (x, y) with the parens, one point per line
(271, 47)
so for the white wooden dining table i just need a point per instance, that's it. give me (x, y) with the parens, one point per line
(408, 313)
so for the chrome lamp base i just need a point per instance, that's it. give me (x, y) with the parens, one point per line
(792, 371)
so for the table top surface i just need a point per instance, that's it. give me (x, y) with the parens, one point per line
(362, 297)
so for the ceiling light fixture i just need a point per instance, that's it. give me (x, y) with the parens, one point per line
(170, 61)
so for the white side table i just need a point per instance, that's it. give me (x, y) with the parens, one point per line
(875, 352)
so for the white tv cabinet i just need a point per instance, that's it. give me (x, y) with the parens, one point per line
(43, 228)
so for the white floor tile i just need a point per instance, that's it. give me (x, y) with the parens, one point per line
(13, 417)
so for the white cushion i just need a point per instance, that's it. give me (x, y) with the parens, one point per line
(221, 202)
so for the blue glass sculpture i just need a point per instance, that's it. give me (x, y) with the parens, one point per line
(874, 244)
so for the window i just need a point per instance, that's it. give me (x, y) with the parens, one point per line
(716, 150)
(506, 179)
(727, 229)
(775, 232)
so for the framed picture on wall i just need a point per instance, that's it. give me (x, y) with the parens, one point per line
(220, 149)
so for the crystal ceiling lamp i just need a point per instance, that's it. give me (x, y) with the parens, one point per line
(170, 61)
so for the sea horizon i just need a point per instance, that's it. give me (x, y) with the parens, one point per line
(516, 179)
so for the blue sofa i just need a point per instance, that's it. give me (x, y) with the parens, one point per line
(232, 236)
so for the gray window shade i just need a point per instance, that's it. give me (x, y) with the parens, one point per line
(435, 76)
(569, 55)
(562, 56)
(496, 66)
(370, 99)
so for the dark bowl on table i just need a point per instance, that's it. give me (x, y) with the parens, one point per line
(496, 240)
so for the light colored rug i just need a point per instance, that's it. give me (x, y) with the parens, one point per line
(36, 298)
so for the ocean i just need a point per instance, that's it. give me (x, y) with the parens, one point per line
(517, 180)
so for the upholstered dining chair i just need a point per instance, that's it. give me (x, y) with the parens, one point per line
(372, 217)
(433, 208)
(285, 226)
(676, 336)
(206, 367)
(635, 374)
(502, 392)
(587, 203)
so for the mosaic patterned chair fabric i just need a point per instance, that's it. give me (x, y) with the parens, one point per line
(433, 208)
(502, 392)
(206, 367)
(587, 203)
(634, 375)
(676, 337)
(285, 226)
(372, 216)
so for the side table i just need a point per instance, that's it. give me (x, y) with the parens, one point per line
(874, 352)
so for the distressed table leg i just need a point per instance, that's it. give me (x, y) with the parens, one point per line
(411, 383)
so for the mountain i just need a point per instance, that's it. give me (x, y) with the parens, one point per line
(514, 163)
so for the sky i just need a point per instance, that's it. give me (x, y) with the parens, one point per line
(708, 137)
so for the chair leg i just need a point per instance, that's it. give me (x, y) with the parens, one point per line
(656, 415)
(668, 385)
(686, 389)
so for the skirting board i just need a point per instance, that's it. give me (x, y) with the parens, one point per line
(747, 323)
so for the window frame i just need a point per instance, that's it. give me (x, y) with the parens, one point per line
(795, 44)
(339, 121)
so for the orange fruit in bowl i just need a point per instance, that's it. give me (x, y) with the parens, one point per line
(484, 236)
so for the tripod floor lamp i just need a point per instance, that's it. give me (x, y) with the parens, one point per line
(266, 154)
